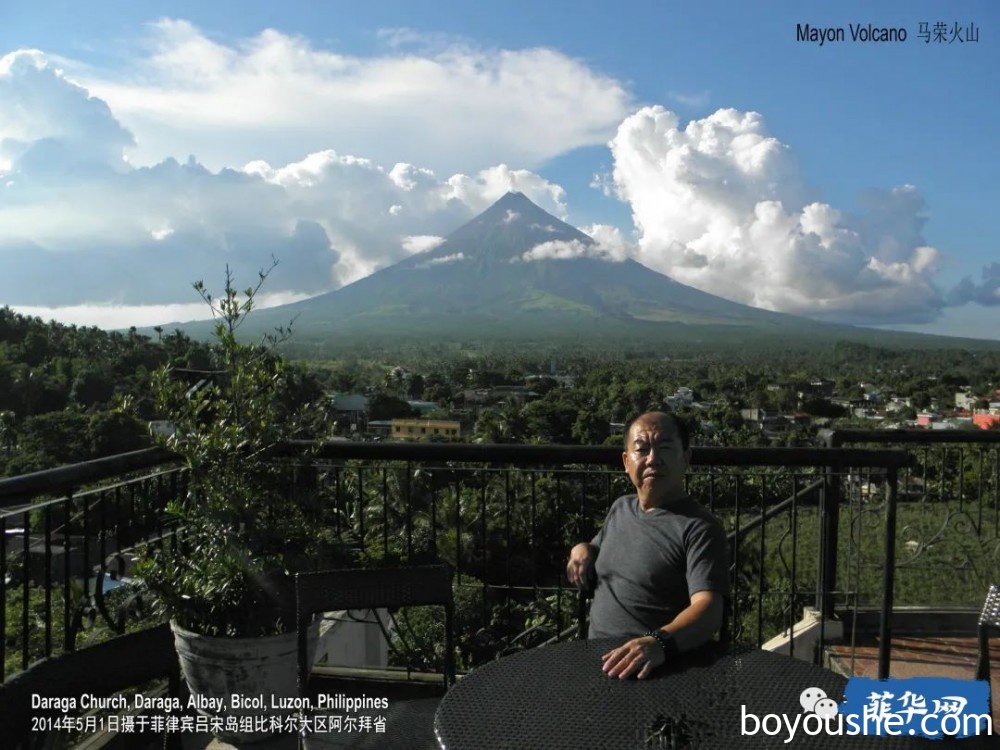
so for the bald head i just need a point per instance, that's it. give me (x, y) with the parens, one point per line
(665, 420)
(656, 458)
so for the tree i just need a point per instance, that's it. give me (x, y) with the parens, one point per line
(8, 430)
(500, 425)
(416, 388)
(114, 432)
(437, 388)
(590, 428)
(550, 419)
(820, 407)
(35, 347)
(725, 417)
(93, 385)
(56, 436)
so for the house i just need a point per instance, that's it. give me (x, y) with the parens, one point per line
(757, 414)
(820, 387)
(866, 412)
(986, 421)
(947, 425)
(965, 399)
(351, 405)
(898, 403)
(684, 396)
(515, 394)
(412, 430)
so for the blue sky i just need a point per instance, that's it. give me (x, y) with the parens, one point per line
(851, 181)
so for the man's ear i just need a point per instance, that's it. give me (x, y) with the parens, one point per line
(687, 456)
(625, 460)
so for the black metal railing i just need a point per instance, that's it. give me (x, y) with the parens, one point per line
(65, 535)
(946, 512)
(504, 515)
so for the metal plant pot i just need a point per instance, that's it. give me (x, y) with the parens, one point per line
(241, 684)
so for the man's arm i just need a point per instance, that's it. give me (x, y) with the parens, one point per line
(698, 622)
(580, 567)
(693, 626)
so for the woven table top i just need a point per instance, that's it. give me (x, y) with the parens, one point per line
(557, 697)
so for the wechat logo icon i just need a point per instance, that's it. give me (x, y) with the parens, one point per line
(815, 701)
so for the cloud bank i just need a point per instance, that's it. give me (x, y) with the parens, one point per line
(101, 209)
(122, 316)
(80, 227)
(986, 293)
(274, 96)
(721, 205)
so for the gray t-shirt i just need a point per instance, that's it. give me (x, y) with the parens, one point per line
(650, 564)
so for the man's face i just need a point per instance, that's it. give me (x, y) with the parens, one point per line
(656, 460)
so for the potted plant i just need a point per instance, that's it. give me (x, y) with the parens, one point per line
(225, 580)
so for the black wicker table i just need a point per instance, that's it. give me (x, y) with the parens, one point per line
(557, 697)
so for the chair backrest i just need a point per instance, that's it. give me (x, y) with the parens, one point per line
(990, 615)
(369, 589)
(989, 619)
(584, 593)
(124, 662)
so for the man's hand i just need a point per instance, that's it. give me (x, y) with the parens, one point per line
(580, 567)
(640, 655)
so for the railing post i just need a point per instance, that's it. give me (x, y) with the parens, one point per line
(889, 578)
(829, 533)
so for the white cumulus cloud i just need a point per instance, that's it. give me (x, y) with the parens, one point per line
(610, 242)
(421, 243)
(453, 258)
(52, 124)
(607, 246)
(720, 204)
(274, 96)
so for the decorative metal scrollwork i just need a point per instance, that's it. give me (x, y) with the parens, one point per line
(130, 605)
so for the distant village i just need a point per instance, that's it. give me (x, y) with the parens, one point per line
(869, 405)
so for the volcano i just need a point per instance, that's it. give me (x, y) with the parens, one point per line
(515, 271)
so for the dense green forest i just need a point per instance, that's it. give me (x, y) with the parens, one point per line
(71, 393)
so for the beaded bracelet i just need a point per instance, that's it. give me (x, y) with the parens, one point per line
(666, 641)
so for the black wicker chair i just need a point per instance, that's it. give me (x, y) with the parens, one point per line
(989, 621)
(348, 589)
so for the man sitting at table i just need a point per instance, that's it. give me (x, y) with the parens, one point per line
(661, 559)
